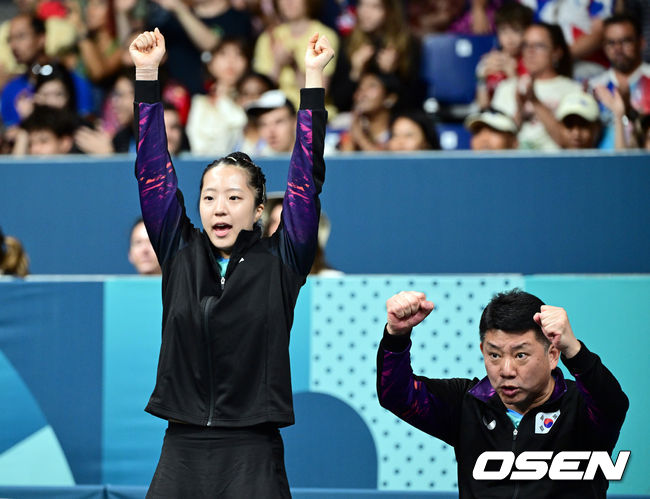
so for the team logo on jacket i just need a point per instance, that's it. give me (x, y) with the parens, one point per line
(544, 421)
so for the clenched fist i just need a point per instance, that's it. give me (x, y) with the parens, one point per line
(406, 310)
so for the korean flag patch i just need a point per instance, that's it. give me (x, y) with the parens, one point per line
(544, 421)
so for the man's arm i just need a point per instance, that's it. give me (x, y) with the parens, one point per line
(606, 404)
(431, 405)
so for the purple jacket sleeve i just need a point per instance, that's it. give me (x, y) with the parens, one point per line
(431, 405)
(161, 201)
(301, 205)
(605, 401)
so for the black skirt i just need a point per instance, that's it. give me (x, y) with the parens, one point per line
(225, 463)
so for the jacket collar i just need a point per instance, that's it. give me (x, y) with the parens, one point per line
(484, 391)
(245, 240)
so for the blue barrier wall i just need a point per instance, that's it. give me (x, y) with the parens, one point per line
(429, 213)
(77, 364)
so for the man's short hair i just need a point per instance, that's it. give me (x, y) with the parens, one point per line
(512, 312)
(624, 17)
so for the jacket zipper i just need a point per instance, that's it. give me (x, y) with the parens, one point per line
(515, 432)
(209, 351)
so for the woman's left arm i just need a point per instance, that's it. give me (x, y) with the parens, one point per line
(301, 205)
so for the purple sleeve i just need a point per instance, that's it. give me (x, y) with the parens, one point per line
(301, 205)
(606, 403)
(431, 405)
(161, 202)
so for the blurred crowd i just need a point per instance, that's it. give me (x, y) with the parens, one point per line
(561, 74)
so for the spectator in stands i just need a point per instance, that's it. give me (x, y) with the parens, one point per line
(640, 10)
(115, 133)
(141, 253)
(472, 17)
(195, 27)
(216, 121)
(250, 88)
(276, 122)
(99, 51)
(533, 98)
(13, 258)
(47, 130)
(279, 51)
(60, 35)
(511, 22)
(582, 26)
(374, 100)
(579, 119)
(27, 42)
(627, 80)
(381, 39)
(177, 141)
(412, 131)
(491, 131)
(54, 88)
(271, 218)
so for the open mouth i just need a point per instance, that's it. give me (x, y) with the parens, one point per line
(221, 230)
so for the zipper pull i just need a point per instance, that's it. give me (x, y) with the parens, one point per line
(223, 282)
(514, 434)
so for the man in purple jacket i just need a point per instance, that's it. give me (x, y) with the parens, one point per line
(523, 404)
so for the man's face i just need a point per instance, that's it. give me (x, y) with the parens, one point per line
(25, 44)
(579, 133)
(277, 129)
(519, 368)
(622, 47)
(489, 139)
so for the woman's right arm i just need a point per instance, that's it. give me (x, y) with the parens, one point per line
(162, 205)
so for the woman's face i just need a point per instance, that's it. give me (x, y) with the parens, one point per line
(370, 94)
(227, 206)
(406, 135)
(538, 52)
(52, 93)
(250, 90)
(292, 10)
(96, 14)
(228, 64)
(370, 15)
(122, 100)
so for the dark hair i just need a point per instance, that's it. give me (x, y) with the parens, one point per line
(312, 7)
(389, 81)
(38, 25)
(242, 44)
(61, 122)
(256, 178)
(624, 17)
(564, 66)
(512, 312)
(423, 122)
(514, 14)
(270, 84)
(59, 73)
